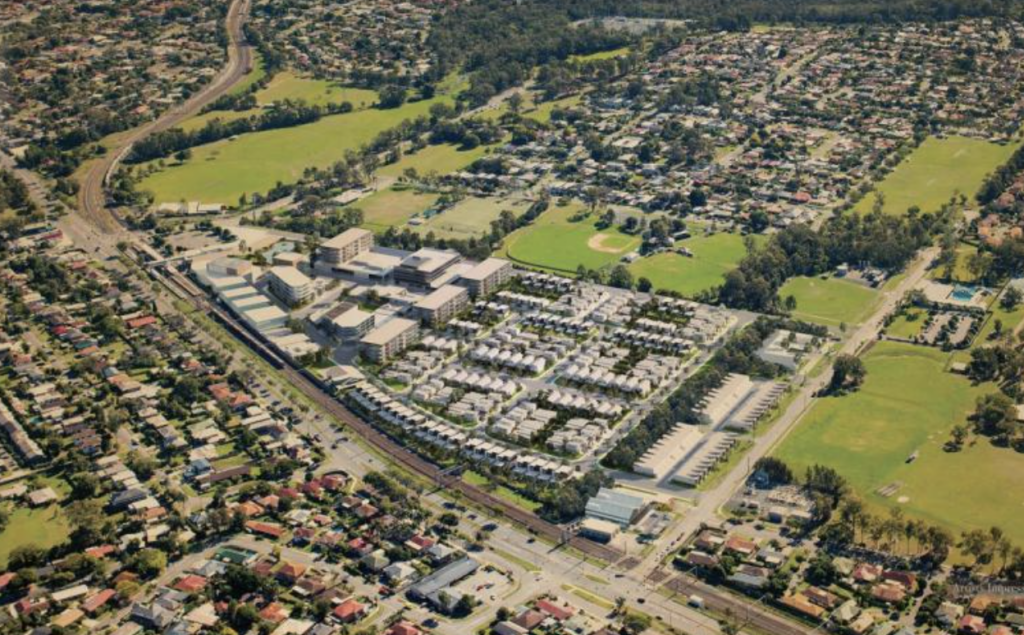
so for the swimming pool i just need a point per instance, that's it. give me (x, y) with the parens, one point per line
(963, 293)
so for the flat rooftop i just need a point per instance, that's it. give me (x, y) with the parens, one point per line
(346, 237)
(428, 260)
(388, 331)
(290, 276)
(439, 298)
(485, 269)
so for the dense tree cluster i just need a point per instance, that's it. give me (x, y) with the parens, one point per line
(880, 240)
(1002, 178)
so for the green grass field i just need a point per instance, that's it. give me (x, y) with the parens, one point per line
(908, 325)
(554, 242)
(471, 217)
(220, 172)
(910, 403)
(601, 55)
(936, 170)
(713, 257)
(829, 302)
(440, 159)
(316, 92)
(392, 207)
(43, 527)
(960, 272)
(479, 480)
(257, 73)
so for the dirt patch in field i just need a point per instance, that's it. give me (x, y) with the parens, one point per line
(596, 242)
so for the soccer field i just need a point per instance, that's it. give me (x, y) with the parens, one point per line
(713, 257)
(829, 302)
(909, 403)
(936, 170)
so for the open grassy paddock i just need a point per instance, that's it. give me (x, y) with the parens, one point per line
(555, 242)
(713, 257)
(316, 92)
(222, 171)
(471, 217)
(831, 301)
(936, 170)
(440, 159)
(393, 206)
(909, 403)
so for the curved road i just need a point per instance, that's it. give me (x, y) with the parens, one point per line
(91, 198)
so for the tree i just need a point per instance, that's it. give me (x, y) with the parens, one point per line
(183, 155)
(995, 415)
(148, 563)
(1011, 298)
(848, 372)
(775, 470)
(636, 623)
(515, 103)
(621, 277)
(644, 285)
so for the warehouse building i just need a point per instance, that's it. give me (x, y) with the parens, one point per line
(434, 589)
(615, 507)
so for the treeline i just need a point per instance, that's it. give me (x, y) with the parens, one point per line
(473, 247)
(739, 14)
(14, 193)
(284, 114)
(682, 407)
(500, 43)
(1002, 178)
(876, 239)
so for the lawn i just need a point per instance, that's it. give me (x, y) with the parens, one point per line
(542, 111)
(830, 302)
(257, 73)
(222, 171)
(961, 273)
(392, 207)
(501, 491)
(286, 85)
(936, 170)
(555, 242)
(43, 527)
(440, 159)
(601, 55)
(471, 217)
(908, 324)
(315, 92)
(910, 403)
(713, 257)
